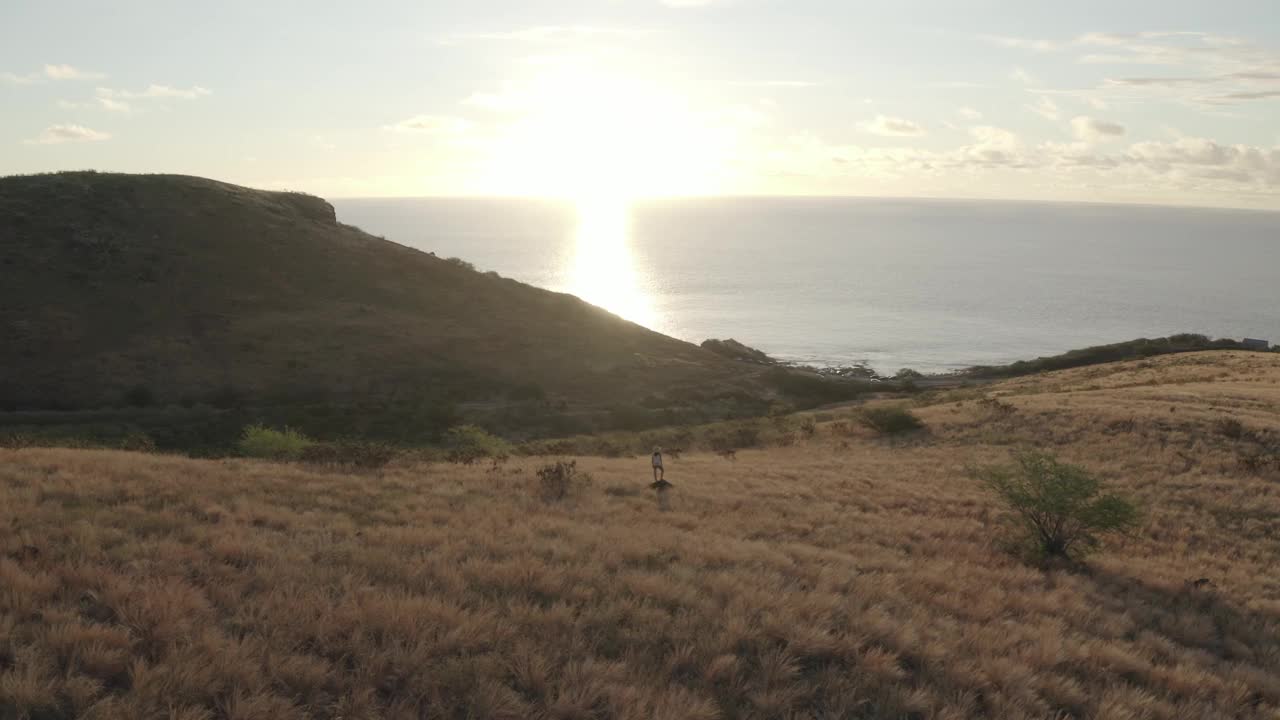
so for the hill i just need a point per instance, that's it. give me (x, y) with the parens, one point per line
(840, 576)
(148, 291)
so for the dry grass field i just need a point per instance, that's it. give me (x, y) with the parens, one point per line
(845, 576)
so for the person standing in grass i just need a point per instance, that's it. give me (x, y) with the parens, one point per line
(656, 460)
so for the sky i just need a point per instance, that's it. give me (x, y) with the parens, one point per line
(1169, 101)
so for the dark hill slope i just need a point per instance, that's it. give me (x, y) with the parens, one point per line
(159, 289)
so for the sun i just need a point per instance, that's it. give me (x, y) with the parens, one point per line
(602, 137)
(593, 133)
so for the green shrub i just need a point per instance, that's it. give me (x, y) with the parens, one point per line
(260, 441)
(1058, 510)
(890, 420)
(468, 443)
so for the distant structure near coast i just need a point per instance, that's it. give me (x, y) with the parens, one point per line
(1256, 344)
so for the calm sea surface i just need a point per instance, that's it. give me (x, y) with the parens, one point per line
(927, 284)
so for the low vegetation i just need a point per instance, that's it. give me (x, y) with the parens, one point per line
(890, 420)
(1128, 350)
(260, 441)
(467, 444)
(1059, 510)
(836, 577)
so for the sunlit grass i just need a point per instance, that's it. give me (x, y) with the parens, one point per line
(845, 575)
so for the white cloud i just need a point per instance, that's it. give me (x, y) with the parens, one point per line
(893, 127)
(1021, 76)
(969, 113)
(1022, 43)
(49, 72)
(67, 72)
(1045, 107)
(691, 3)
(57, 134)
(113, 105)
(156, 91)
(9, 78)
(431, 125)
(1091, 130)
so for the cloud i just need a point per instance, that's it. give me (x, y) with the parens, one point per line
(1045, 107)
(1090, 130)
(1199, 170)
(431, 125)
(49, 72)
(969, 113)
(893, 127)
(67, 72)
(9, 78)
(1022, 43)
(1021, 76)
(691, 3)
(57, 134)
(156, 91)
(113, 105)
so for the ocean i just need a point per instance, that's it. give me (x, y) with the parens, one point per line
(933, 285)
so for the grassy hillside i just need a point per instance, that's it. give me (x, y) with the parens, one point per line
(148, 291)
(844, 576)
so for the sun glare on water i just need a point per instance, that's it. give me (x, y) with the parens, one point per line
(604, 272)
(603, 139)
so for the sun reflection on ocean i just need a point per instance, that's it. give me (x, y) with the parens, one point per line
(604, 273)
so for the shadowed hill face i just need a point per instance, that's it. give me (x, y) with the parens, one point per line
(193, 288)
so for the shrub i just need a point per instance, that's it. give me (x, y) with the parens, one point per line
(1059, 510)
(1229, 428)
(461, 263)
(890, 420)
(557, 480)
(260, 441)
(997, 407)
(468, 443)
(808, 426)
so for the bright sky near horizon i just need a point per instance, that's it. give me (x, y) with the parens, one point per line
(1163, 101)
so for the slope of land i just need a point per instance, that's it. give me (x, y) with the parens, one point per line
(841, 577)
(161, 290)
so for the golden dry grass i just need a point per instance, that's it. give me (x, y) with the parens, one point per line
(843, 577)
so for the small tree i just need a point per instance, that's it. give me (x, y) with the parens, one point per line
(468, 443)
(890, 420)
(260, 441)
(1059, 509)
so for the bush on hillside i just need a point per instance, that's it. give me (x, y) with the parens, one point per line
(557, 480)
(890, 420)
(461, 263)
(466, 444)
(1058, 510)
(260, 441)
